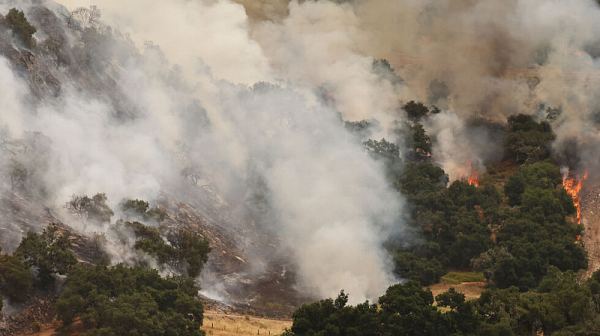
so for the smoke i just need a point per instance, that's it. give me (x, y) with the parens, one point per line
(457, 144)
(495, 58)
(191, 33)
(277, 155)
(274, 154)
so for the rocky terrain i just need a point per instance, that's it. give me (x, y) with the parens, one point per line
(590, 214)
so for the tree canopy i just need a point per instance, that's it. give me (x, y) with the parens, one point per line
(123, 300)
(17, 22)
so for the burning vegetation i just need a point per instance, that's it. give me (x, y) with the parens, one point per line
(573, 187)
(469, 175)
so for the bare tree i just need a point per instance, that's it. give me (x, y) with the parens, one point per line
(193, 174)
(82, 18)
(18, 175)
(90, 208)
(5, 140)
(98, 240)
(80, 207)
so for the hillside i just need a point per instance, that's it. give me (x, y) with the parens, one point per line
(308, 168)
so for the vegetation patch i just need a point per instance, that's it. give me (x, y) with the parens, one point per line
(459, 277)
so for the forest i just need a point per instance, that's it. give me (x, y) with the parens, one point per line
(517, 225)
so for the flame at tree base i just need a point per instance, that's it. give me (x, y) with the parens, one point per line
(470, 176)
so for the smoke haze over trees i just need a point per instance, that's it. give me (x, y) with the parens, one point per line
(342, 134)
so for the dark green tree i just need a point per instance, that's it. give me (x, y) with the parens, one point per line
(407, 309)
(49, 252)
(192, 250)
(17, 22)
(415, 110)
(15, 276)
(527, 141)
(124, 300)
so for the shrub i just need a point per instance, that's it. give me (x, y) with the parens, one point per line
(36, 326)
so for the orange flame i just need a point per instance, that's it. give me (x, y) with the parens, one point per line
(470, 176)
(573, 188)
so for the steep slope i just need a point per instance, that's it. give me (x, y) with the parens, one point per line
(246, 266)
(590, 214)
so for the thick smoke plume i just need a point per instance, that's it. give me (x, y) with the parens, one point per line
(276, 155)
(493, 58)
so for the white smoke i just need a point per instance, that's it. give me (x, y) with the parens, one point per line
(191, 33)
(323, 196)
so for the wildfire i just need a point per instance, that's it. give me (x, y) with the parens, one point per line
(573, 188)
(470, 176)
(474, 179)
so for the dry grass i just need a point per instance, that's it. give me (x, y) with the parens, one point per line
(215, 323)
(472, 290)
(220, 324)
(461, 277)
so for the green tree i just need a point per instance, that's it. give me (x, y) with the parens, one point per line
(17, 22)
(407, 309)
(415, 110)
(48, 252)
(191, 249)
(185, 251)
(142, 209)
(383, 148)
(16, 278)
(123, 300)
(527, 141)
(417, 141)
(425, 271)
